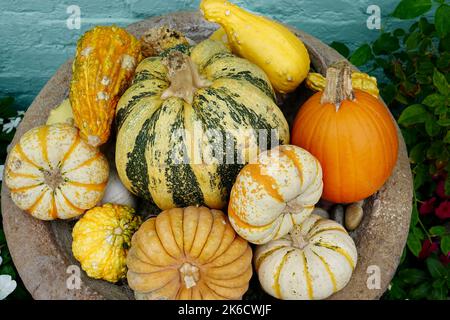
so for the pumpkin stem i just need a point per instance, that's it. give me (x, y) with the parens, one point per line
(184, 77)
(298, 240)
(190, 275)
(53, 178)
(157, 40)
(338, 86)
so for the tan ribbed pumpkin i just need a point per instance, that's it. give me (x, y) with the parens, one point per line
(315, 260)
(52, 173)
(275, 192)
(191, 253)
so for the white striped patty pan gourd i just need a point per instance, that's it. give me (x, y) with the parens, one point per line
(53, 174)
(313, 261)
(275, 192)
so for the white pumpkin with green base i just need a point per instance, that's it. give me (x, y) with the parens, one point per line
(315, 260)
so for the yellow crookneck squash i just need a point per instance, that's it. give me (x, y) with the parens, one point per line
(174, 119)
(188, 254)
(313, 261)
(268, 44)
(274, 192)
(52, 173)
(104, 64)
(101, 239)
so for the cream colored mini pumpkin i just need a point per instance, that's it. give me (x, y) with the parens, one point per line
(52, 173)
(315, 260)
(275, 192)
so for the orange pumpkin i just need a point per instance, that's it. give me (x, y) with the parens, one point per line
(351, 133)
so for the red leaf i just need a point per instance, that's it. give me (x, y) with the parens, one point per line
(428, 248)
(443, 211)
(440, 189)
(427, 206)
(445, 259)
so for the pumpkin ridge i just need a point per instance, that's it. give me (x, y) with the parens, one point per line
(244, 224)
(227, 264)
(25, 158)
(326, 229)
(376, 128)
(328, 269)
(20, 189)
(211, 280)
(136, 166)
(162, 242)
(86, 162)
(195, 232)
(276, 280)
(42, 135)
(269, 186)
(72, 147)
(54, 211)
(337, 249)
(297, 164)
(393, 142)
(214, 292)
(206, 238)
(308, 277)
(37, 201)
(91, 186)
(22, 175)
(80, 210)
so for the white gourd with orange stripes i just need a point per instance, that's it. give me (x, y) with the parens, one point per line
(313, 261)
(53, 174)
(275, 192)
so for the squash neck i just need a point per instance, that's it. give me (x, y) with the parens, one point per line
(184, 77)
(338, 86)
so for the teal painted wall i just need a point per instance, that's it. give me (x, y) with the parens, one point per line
(36, 41)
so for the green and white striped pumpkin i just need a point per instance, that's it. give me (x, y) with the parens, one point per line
(237, 95)
(315, 260)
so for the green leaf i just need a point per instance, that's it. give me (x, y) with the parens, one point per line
(421, 291)
(418, 152)
(413, 40)
(440, 82)
(437, 231)
(2, 237)
(399, 32)
(418, 233)
(426, 27)
(413, 276)
(361, 55)
(435, 267)
(434, 100)
(445, 244)
(447, 137)
(414, 244)
(431, 126)
(421, 176)
(385, 44)
(408, 9)
(388, 93)
(443, 122)
(341, 48)
(435, 150)
(442, 20)
(414, 216)
(413, 114)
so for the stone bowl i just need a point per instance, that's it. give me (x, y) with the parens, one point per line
(41, 250)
